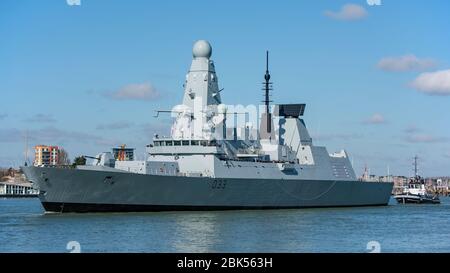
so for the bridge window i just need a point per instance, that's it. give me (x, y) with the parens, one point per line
(204, 143)
(169, 143)
(177, 143)
(156, 143)
(185, 142)
(194, 142)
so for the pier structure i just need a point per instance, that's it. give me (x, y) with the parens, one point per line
(15, 185)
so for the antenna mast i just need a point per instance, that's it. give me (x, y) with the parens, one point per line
(26, 148)
(416, 170)
(267, 88)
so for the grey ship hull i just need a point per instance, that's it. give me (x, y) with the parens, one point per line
(75, 190)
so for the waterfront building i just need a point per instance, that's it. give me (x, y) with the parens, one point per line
(16, 185)
(123, 154)
(46, 155)
(439, 185)
(16, 190)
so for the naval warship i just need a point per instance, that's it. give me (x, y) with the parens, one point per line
(206, 165)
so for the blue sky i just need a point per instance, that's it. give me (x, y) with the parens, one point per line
(375, 79)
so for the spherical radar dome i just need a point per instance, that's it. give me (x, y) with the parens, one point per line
(202, 49)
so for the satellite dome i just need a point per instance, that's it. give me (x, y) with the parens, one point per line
(202, 49)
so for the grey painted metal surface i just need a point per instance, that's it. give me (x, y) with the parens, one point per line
(102, 187)
(201, 167)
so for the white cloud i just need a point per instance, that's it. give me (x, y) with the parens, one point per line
(10, 135)
(433, 83)
(149, 129)
(348, 12)
(317, 136)
(376, 118)
(43, 118)
(412, 129)
(138, 91)
(114, 125)
(405, 63)
(47, 134)
(425, 138)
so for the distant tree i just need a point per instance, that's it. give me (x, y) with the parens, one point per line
(79, 160)
(63, 157)
(5, 174)
(11, 172)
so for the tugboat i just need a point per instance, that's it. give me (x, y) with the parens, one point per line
(415, 192)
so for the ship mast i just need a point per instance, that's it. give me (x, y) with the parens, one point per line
(267, 88)
(416, 170)
(26, 148)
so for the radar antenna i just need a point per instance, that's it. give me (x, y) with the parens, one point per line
(267, 88)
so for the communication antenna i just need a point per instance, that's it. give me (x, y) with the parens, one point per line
(26, 148)
(416, 169)
(267, 88)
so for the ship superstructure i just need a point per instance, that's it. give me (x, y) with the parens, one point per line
(199, 144)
